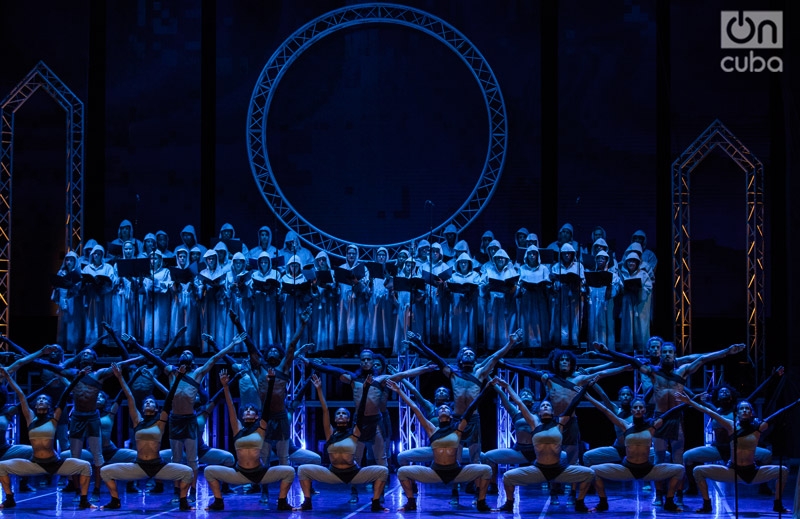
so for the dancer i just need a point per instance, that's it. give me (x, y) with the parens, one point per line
(111, 453)
(149, 427)
(183, 431)
(523, 450)
(42, 424)
(638, 435)
(723, 398)
(441, 396)
(467, 379)
(340, 444)
(547, 429)
(745, 431)
(10, 451)
(253, 383)
(280, 362)
(369, 426)
(616, 452)
(561, 385)
(666, 379)
(84, 421)
(249, 435)
(206, 455)
(446, 444)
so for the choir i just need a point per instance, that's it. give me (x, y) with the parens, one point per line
(559, 296)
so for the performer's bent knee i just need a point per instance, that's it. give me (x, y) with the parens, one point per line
(285, 473)
(403, 473)
(304, 471)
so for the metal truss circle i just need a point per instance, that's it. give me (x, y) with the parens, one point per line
(326, 25)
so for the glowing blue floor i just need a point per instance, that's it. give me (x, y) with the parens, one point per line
(625, 501)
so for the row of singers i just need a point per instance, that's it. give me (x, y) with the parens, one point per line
(455, 303)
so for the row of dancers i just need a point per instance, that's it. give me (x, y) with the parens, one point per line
(547, 433)
(452, 303)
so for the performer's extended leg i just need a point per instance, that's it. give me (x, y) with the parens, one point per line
(376, 474)
(417, 455)
(726, 475)
(216, 473)
(69, 467)
(601, 455)
(132, 471)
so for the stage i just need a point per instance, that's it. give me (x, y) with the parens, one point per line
(625, 501)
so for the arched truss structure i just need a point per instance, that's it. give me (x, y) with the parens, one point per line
(717, 135)
(351, 16)
(39, 77)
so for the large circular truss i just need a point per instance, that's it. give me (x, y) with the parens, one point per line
(326, 25)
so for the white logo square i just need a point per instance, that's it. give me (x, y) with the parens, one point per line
(751, 29)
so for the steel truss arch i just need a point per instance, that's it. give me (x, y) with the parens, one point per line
(356, 15)
(717, 135)
(39, 77)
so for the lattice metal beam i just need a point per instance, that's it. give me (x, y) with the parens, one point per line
(506, 435)
(39, 77)
(717, 135)
(351, 16)
(298, 429)
(412, 435)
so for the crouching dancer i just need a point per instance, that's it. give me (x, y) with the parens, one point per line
(446, 445)
(341, 442)
(148, 428)
(42, 433)
(548, 434)
(638, 435)
(745, 432)
(248, 439)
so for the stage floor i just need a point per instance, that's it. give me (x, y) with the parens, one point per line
(625, 500)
